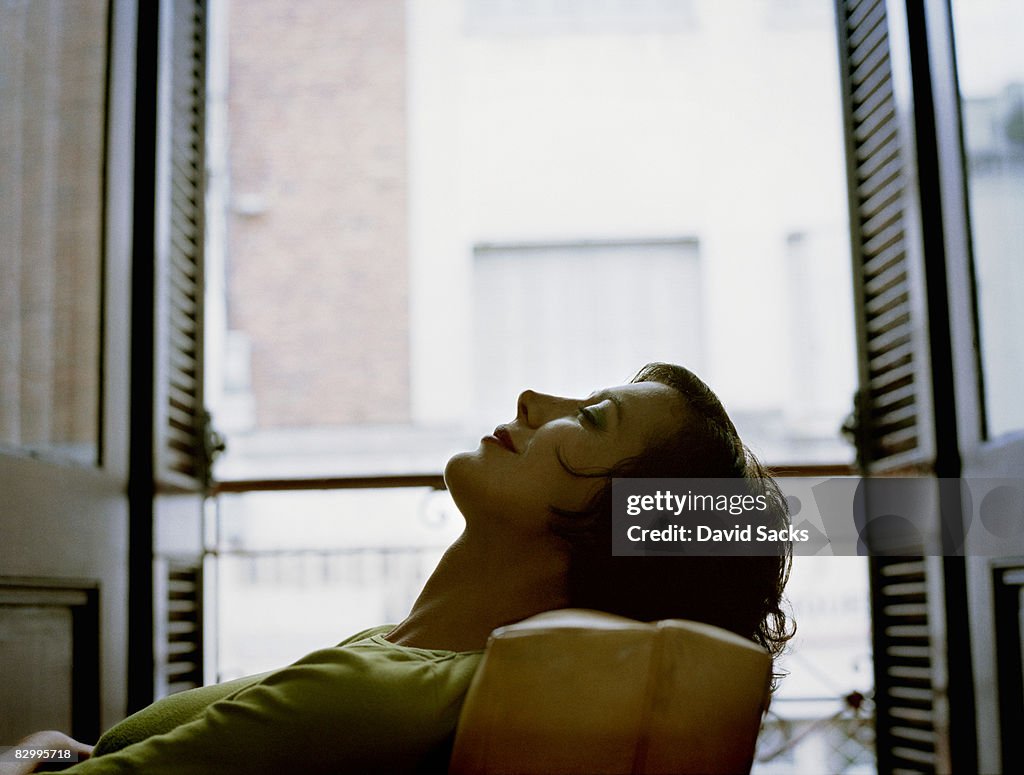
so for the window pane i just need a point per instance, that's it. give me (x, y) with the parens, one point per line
(434, 205)
(52, 91)
(990, 65)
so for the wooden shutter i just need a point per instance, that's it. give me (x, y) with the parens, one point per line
(181, 427)
(905, 700)
(891, 428)
(179, 627)
(181, 449)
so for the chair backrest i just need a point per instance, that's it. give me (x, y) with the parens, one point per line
(578, 691)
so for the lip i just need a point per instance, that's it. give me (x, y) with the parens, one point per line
(502, 437)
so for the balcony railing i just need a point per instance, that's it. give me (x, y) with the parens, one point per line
(823, 740)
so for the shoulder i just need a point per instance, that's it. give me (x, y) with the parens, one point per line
(369, 632)
(366, 697)
(386, 678)
(364, 706)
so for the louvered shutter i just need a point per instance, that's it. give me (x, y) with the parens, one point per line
(905, 701)
(181, 452)
(179, 626)
(892, 431)
(891, 434)
(180, 433)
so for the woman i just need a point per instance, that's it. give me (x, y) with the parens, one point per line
(536, 496)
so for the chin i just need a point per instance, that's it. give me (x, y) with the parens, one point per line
(466, 482)
(454, 470)
(451, 469)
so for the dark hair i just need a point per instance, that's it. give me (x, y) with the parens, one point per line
(740, 594)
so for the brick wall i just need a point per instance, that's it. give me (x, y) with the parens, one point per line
(317, 245)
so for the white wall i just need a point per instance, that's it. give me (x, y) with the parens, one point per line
(727, 130)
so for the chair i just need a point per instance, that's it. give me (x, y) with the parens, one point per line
(585, 692)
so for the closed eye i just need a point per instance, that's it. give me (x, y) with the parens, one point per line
(588, 417)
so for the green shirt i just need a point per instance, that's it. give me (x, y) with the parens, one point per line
(363, 706)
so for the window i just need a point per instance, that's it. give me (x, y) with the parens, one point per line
(358, 263)
(990, 68)
(571, 314)
(428, 206)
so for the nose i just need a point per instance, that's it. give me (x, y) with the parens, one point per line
(534, 409)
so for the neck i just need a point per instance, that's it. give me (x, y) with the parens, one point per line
(477, 588)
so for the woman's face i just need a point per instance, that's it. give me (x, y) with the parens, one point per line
(517, 474)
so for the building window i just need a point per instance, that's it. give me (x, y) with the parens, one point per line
(574, 315)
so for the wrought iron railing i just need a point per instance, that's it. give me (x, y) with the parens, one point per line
(840, 742)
